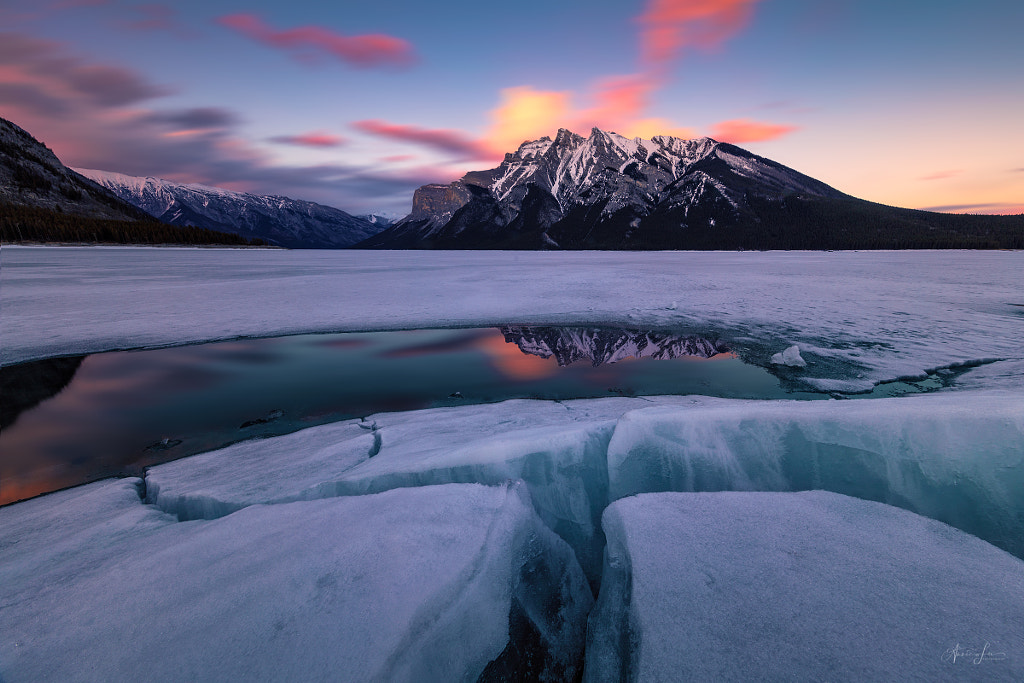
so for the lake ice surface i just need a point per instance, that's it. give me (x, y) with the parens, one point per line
(856, 318)
(225, 552)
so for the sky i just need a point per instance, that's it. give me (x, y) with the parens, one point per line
(355, 104)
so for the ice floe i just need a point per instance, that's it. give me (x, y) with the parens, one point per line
(434, 583)
(791, 357)
(809, 586)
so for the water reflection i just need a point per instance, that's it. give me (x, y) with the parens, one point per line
(75, 420)
(27, 385)
(601, 345)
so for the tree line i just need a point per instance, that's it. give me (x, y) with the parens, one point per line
(23, 224)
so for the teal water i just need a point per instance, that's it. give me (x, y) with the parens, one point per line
(69, 421)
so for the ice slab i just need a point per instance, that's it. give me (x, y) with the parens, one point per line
(956, 457)
(434, 583)
(277, 470)
(858, 318)
(557, 449)
(810, 586)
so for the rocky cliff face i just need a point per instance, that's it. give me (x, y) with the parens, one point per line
(439, 202)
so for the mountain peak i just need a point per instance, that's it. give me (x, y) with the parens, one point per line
(589, 189)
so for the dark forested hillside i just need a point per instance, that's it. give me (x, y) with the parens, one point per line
(25, 224)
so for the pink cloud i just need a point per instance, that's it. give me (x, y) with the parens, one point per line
(46, 91)
(43, 68)
(744, 130)
(448, 141)
(307, 42)
(315, 139)
(617, 101)
(620, 103)
(670, 25)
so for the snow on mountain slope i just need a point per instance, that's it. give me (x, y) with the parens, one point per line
(278, 220)
(560, 190)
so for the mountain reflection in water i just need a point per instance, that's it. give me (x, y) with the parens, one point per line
(601, 345)
(69, 421)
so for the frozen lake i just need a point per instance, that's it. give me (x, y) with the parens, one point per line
(610, 537)
(858, 317)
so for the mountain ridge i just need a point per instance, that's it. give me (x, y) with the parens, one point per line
(32, 176)
(276, 219)
(607, 191)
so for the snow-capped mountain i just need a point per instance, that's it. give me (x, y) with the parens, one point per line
(601, 191)
(32, 176)
(277, 220)
(600, 345)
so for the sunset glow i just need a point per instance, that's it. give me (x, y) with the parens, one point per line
(356, 106)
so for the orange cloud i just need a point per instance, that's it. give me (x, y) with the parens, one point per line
(617, 104)
(308, 42)
(670, 25)
(745, 130)
(526, 114)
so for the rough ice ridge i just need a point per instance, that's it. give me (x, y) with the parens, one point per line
(954, 457)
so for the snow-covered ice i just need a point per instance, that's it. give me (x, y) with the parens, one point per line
(439, 544)
(809, 586)
(857, 317)
(435, 583)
